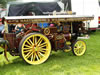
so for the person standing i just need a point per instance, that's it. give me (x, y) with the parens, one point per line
(1, 29)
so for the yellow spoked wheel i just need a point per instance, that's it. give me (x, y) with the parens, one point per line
(79, 48)
(35, 48)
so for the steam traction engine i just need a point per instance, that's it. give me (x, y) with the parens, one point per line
(36, 42)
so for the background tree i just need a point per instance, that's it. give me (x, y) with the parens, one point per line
(4, 2)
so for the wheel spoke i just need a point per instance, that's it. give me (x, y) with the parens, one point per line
(80, 50)
(27, 51)
(39, 40)
(29, 55)
(32, 58)
(27, 46)
(43, 44)
(37, 57)
(80, 45)
(35, 39)
(76, 45)
(34, 55)
(41, 54)
(76, 50)
(31, 42)
(43, 51)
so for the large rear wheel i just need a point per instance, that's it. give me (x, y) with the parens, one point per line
(35, 48)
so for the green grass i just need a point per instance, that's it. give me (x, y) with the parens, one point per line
(59, 63)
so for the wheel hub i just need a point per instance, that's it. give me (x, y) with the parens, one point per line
(36, 48)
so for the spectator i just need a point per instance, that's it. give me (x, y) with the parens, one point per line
(1, 29)
(19, 28)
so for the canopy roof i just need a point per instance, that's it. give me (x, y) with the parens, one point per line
(36, 7)
(52, 18)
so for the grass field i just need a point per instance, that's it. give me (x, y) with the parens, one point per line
(59, 63)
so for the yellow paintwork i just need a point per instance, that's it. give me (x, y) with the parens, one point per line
(79, 48)
(6, 27)
(68, 50)
(1, 49)
(36, 49)
(68, 43)
(46, 31)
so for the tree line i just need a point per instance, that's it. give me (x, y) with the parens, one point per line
(4, 2)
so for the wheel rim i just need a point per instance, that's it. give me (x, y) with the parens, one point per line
(79, 48)
(36, 49)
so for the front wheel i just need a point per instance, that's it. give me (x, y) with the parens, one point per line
(35, 48)
(79, 48)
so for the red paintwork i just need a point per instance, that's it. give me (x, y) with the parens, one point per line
(99, 22)
(0, 21)
(33, 26)
(92, 28)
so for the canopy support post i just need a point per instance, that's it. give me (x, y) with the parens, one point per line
(71, 27)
